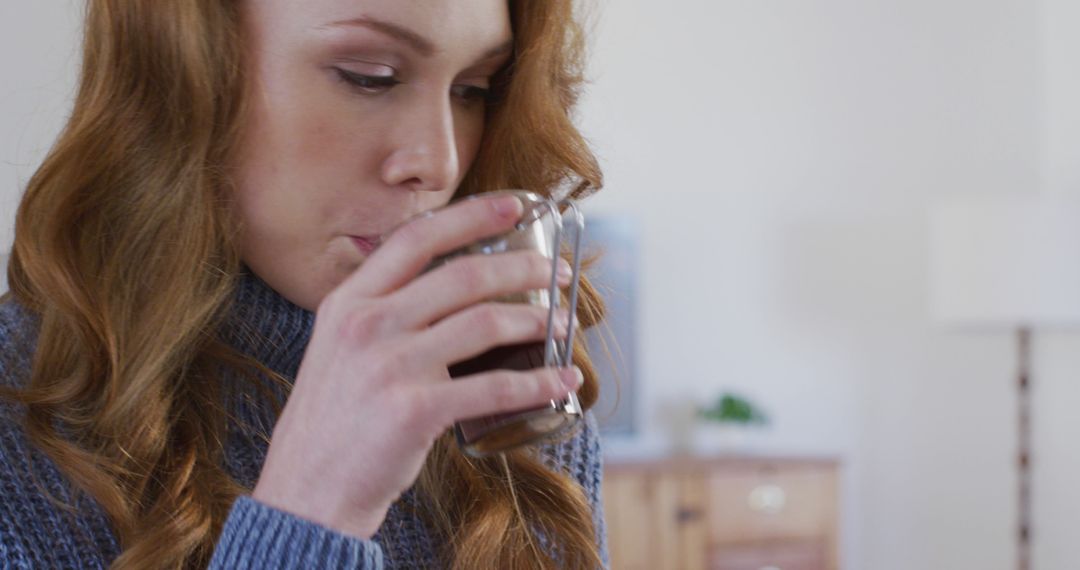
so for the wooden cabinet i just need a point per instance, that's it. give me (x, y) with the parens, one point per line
(723, 513)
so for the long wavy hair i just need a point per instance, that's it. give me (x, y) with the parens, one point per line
(126, 250)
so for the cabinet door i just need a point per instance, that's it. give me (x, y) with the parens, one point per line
(685, 520)
(628, 512)
(656, 520)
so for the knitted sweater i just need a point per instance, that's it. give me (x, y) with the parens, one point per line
(35, 533)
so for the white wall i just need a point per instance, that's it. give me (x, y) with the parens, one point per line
(39, 46)
(782, 156)
(1057, 356)
(1061, 44)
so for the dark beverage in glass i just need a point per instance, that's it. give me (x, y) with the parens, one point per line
(491, 434)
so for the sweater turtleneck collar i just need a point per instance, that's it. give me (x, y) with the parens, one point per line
(262, 324)
(265, 325)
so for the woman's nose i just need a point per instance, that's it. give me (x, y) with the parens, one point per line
(424, 154)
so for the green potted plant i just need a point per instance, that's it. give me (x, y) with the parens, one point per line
(725, 424)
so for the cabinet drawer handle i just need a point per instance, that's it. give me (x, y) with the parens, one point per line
(768, 499)
(685, 515)
(770, 568)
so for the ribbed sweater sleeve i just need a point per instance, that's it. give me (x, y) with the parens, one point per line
(257, 535)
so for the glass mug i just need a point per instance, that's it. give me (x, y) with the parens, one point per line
(540, 228)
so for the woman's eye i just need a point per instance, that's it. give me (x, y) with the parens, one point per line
(374, 84)
(472, 93)
(367, 83)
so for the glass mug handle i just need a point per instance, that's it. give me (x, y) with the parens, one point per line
(564, 356)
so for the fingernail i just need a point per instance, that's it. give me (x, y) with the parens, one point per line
(564, 271)
(507, 206)
(572, 377)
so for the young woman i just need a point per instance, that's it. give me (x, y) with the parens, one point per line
(209, 358)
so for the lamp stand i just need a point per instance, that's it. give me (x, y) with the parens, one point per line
(1024, 448)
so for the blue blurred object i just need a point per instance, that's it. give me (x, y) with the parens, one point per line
(612, 344)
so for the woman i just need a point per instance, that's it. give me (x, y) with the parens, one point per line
(199, 250)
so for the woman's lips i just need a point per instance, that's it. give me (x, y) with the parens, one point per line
(366, 244)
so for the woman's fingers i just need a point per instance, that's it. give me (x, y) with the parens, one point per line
(483, 327)
(501, 391)
(473, 279)
(411, 247)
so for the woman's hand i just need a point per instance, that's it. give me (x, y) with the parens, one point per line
(373, 392)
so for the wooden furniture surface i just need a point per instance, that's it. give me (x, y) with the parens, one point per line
(722, 513)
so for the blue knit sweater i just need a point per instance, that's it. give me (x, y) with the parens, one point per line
(35, 533)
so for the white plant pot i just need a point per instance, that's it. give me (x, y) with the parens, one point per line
(713, 437)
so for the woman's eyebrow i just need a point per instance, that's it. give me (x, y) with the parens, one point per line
(417, 42)
(502, 49)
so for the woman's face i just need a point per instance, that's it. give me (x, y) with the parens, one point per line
(362, 113)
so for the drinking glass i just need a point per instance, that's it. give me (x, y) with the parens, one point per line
(542, 228)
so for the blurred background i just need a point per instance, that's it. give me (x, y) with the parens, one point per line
(776, 171)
